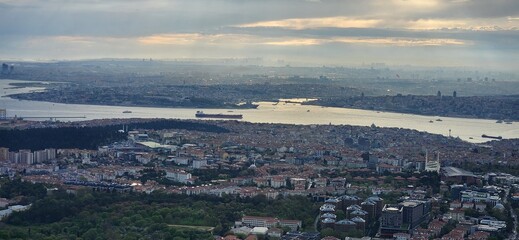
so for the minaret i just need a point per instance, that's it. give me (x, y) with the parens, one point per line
(426, 157)
(425, 168)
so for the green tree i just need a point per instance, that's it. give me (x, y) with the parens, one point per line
(327, 232)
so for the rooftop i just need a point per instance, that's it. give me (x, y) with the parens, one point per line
(455, 172)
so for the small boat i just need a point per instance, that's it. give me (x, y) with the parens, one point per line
(438, 120)
(307, 110)
(127, 111)
(431, 121)
(499, 121)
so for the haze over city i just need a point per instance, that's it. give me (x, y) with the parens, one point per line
(467, 33)
(259, 119)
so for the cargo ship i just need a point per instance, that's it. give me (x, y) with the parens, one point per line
(200, 114)
(493, 137)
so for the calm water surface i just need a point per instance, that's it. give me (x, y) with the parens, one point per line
(267, 112)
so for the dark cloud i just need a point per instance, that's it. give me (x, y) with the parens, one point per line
(481, 9)
(114, 27)
(60, 18)
(4, 6)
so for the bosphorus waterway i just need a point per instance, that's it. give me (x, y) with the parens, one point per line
(267, 112)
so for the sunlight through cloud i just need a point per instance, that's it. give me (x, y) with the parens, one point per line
(306, 23)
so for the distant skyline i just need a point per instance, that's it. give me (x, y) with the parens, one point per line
(450, 33)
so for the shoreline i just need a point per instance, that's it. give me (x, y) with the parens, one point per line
(311, 101)
(236, 107)
(468, 129)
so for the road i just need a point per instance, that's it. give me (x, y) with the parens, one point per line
(316, 221)
(513, 235)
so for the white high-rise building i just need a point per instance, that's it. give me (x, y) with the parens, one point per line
(51, 153)
(26, 156)
(40, 156)
(199, 163)
(432, 165)
(4, 154)
(14, 157)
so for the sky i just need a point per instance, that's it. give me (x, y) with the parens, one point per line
(452, 33)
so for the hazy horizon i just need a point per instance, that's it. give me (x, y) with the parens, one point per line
(444, 33)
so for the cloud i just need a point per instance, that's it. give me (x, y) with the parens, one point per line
(416, 24)
(482, 9)
(227, 40)
(251, 40)
(431, 24)
(401, 42)
(288, 29)
(74, 39)
(170, 39)
(4, 6)
(305, 23)
(197, 39)
(295, 42)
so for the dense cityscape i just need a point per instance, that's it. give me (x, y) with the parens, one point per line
(263, 180)
(358, 181)
(259, 120)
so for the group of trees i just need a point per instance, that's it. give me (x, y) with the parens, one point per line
(93, 215)
(341, 235)
(27, 192)
(89, 137)
(490, 167)
(65, 137)
(177, 124)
